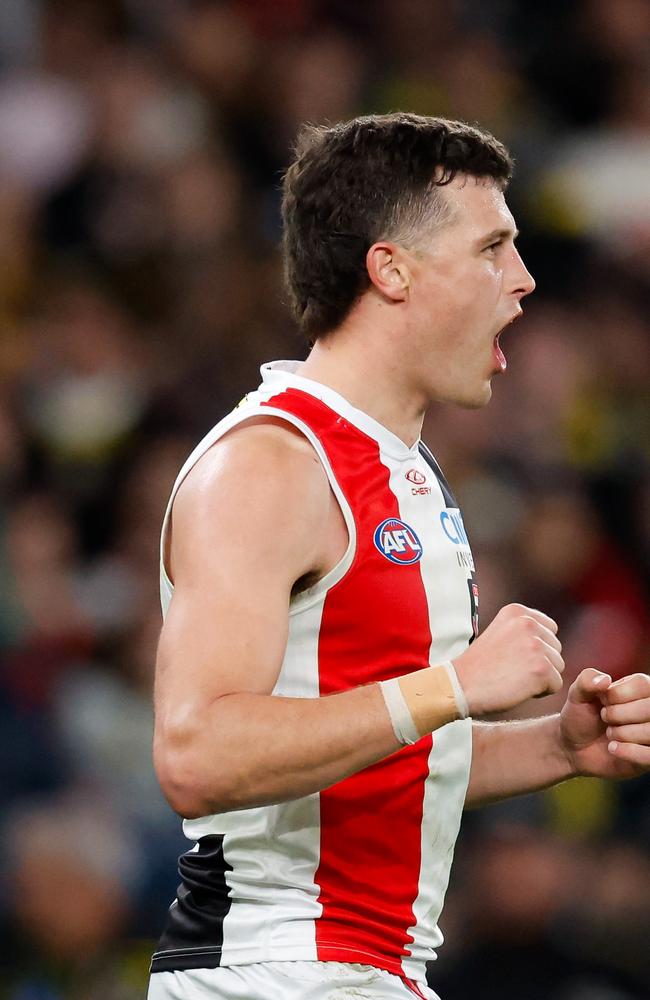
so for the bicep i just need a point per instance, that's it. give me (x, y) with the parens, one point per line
(220, 640)
(244, 530)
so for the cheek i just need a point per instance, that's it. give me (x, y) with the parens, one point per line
(483, 295)
(459, 302)
(488, 278)
(477, 297)
(452, 294)
(481, 281)
(496, 277)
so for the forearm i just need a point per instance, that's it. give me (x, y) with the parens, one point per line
(255, 749)
(513, 758)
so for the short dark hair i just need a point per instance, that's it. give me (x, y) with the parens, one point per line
(365, 180)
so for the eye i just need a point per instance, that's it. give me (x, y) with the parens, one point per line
(494, 246)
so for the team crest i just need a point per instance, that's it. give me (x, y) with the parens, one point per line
(397, 541)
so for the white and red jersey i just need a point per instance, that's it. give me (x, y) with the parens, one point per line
(356, 872)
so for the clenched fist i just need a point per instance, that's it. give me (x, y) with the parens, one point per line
(605, 725)
(516, 658)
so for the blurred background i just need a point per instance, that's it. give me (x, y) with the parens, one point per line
(141, 149)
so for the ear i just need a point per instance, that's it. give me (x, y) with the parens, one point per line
(388, 271)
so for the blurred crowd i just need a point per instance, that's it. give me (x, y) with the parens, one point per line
(142, 144)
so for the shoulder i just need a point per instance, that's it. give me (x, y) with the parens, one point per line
(263, 454)
(263, 484)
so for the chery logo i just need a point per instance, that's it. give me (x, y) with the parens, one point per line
(416, 477)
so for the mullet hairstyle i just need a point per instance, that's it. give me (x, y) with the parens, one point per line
(360, 182)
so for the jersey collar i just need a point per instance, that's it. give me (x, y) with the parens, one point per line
(280, 375)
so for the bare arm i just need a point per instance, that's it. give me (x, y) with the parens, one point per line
(513, 758)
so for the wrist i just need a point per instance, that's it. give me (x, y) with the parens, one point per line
(420, 702)
(565, 758)
(473, 703)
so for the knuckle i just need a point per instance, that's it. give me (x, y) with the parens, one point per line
(535, 644)
(540, 670)
(516, 609)
(541, 686)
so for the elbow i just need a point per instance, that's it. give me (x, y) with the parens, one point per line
(181, 793)
(187, 789)
(193, 783)
(184, 800)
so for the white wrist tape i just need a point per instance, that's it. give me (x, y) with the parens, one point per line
(400, 713)
(461, 700)
(425, 700)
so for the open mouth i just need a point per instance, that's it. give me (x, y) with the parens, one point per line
(499, 356)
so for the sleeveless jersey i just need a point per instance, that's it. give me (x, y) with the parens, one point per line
(358, 871)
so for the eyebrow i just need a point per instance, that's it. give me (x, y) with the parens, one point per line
(499, 234)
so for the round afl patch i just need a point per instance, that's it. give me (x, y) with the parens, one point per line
(397, 541)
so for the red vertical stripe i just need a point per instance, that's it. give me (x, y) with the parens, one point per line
(375, 625)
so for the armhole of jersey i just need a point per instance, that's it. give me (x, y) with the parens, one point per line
(306, 598)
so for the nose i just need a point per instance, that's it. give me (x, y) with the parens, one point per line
(523, 282)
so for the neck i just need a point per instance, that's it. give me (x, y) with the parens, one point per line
(370, 379)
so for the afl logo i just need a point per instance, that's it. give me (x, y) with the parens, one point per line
(416, 477)
(397, 541)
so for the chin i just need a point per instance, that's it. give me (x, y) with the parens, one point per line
(466, 395)
(474, 401)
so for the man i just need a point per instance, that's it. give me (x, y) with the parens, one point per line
(317, 678)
